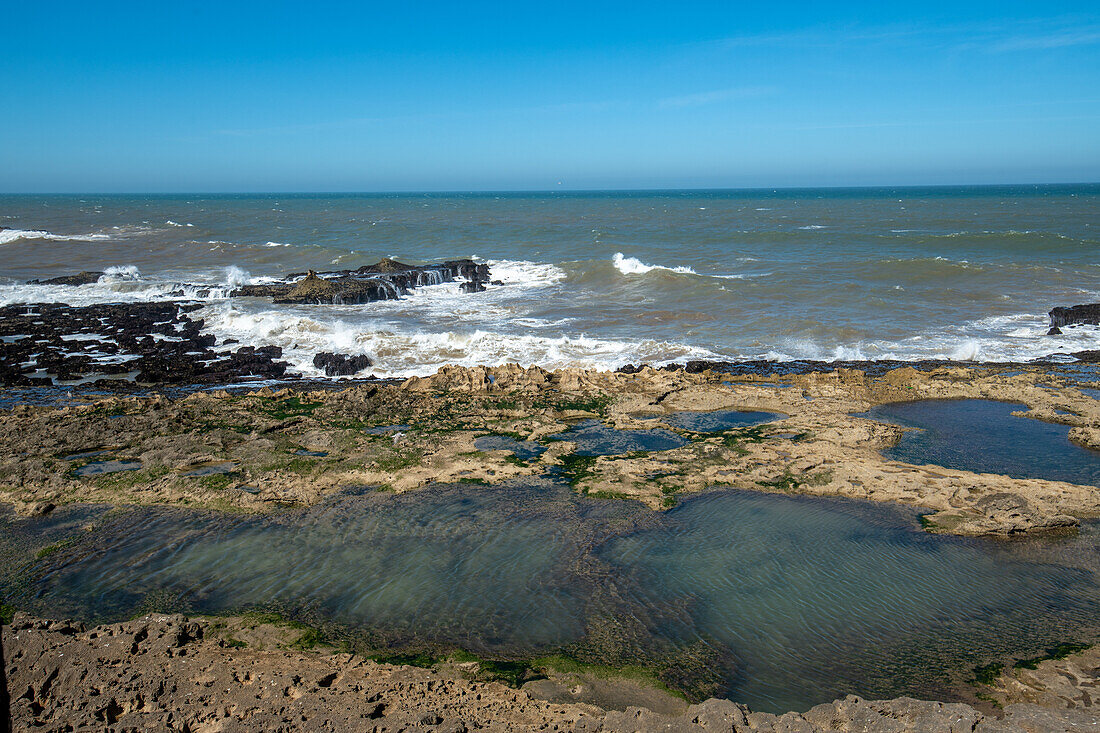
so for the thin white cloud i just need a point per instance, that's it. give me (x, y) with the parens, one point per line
(1025, 34)
(714, 96)
(1063, 39)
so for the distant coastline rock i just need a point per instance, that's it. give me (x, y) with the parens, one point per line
(1087, 314)
(341, 365)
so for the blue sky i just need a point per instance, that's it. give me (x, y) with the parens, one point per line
(359, 96)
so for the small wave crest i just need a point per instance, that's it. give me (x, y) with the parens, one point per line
(634, 266)
(120, 272)
(12, 235)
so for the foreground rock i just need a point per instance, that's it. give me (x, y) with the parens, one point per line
(387, 280)
(170, 673)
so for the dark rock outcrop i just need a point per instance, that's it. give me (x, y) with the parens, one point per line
(1088, 313)
(386, 280)
(341, 365)
(81, 278)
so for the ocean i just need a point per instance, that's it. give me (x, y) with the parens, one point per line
(597, 279)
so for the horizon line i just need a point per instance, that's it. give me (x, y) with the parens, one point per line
(489, 191)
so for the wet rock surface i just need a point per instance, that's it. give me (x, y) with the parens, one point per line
(168, 672)
(81, 278)
(386, 280)
(1088, 313)
(341, 365)
(149, 343)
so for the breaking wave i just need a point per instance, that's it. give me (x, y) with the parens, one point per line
(634, 266)
(414, 352)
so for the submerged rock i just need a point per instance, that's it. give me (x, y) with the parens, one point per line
(1005, 513)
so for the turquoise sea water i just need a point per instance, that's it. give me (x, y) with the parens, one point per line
(602, 279)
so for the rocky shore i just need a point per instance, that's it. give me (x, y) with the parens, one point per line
(163, 439)
(127, 345)
(171, 673)
(264, 449)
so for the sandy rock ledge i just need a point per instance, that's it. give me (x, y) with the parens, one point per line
(171, 673)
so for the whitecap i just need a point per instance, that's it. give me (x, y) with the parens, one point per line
(11, 235)
(634, 266)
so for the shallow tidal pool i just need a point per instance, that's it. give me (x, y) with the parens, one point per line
(779, 602)
(985, 437)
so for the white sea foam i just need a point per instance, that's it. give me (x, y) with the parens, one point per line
(634, 266)
(235, 277)
(814, 226)
(277, 244)
(11, 235)
(1018, 337)
(119, 273)
(525, 273)
(399, 352)
(177, 224)
(118, 284)
(522, 281)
